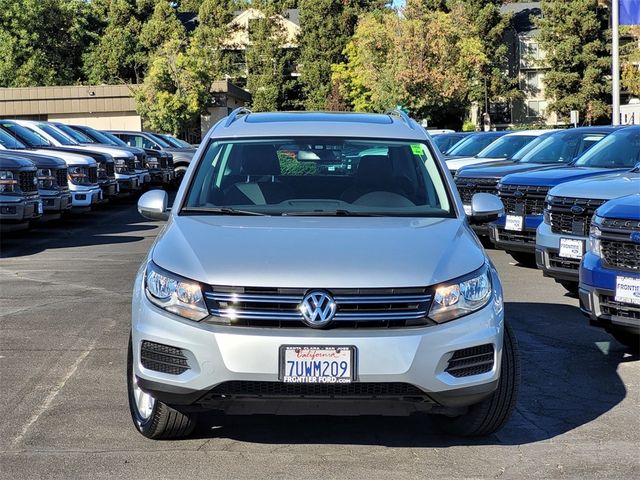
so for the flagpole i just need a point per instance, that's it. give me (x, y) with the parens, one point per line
(615, 60)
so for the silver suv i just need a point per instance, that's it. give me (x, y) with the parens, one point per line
(321, 263)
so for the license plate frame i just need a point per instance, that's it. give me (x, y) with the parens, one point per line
(632, 299)
(318, 379)
(514, 223)
(568, 247)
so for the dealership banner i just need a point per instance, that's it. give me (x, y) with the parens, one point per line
(629, 12)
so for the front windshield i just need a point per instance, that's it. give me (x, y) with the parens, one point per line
(619, 150)
(472, 145)
(115, 140)
(163, 143)
(529, 147)
(57, 134)
(506, 146)
(173, 141)
(562, 147)
(447, 140)
(8, 141)
(318, 176)
(98, 137)
(25, 135)
(76, 135)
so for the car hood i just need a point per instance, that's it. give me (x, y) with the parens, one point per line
(550, 177)
(501, 169)
(67, 157)
(603, 187)
(118, 152)
(41, 161)
(318, 252)
(458, 163)
(624, 208)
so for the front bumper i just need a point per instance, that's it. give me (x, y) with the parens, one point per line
(548, 257)
(55, 202)
(515, 241)
(83, 197)
(597, 297)
(217, 354)
(128, 183)
(110, 189)
(19, 209)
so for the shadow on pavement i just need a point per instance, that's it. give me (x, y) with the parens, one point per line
(569, 378)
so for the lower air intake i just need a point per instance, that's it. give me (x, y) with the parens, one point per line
(471, 361)
(163, 358)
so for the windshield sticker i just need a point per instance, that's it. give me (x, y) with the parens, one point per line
(416, 149)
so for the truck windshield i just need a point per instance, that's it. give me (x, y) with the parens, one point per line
(77, 136)
(619, 150)
(57, 134)
(562, 147)
(506, 146)
(318, 176)
(472, 145)
(10, 142)
(25, 135)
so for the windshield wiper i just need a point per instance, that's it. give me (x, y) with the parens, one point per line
(331, 213)
(218, 211)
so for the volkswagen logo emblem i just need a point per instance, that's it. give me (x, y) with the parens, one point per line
(518, 194)
(577, 210)
(318, 309)
(635, 237)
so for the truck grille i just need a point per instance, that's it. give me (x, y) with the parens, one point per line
(523, 199)
(467, 187)
(571, 215)
(163, 358)
(609, 306)
(163, 162)
(320, 390)
(93, 174)
(110, 169)
(527, 237)
(471, 361)
(618, 251)
(130, 164)
(170, 161)
(356, 308)
(556, 261)
(61, 178)
(27, 182)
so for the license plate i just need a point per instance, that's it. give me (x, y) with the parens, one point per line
(514, 222)
(571, 248)
(317, 364)
(628, 290)
(40, 209)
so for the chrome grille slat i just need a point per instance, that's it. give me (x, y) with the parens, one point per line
(247, 297)
(383, 299)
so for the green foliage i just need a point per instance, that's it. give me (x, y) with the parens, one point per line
(574, 35)
(468, 126)
(630, 58)
(42, 41)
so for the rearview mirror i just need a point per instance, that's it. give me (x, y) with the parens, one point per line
(485, 208)
(153, 205)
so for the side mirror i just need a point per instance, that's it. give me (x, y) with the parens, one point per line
(485, 208)
(153, 205)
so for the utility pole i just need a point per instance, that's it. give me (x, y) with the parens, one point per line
(615, 60)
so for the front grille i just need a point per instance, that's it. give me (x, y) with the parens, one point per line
(93, 174)
(523, 199)
(163, 358)
(609, 307)
(563, 220)
(27, 180)
(170, 161)
(471, 361)
(556, 261)
(467, 187)
(61, 177)
(163, 162)
(526, 236)
(356, 308)
(321, 390)
(130, 164)
(618, 251)
(111, 169)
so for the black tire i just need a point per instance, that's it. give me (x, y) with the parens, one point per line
(164, 422)
(628, 339)
(571, 287)
(490, 415)
(523, 258)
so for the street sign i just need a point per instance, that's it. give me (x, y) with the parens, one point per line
(575, 117)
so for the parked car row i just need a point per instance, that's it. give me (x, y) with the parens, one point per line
(556, 199)
(49, 168)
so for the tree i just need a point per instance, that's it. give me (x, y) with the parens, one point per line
(630, 58)
(326, 26)
(425, 61)
(573, 33)
(37, 52)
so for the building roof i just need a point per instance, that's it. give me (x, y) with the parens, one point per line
(523, 13)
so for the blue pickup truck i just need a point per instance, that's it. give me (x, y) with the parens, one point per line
(555, 148)
(610, 270)
(524, 194)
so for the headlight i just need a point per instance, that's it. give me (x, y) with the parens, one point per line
(45, 178)
(175, 294)
(7, 182)
(78, 175)
(461, 297)
(593, 243)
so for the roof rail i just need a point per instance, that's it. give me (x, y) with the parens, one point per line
(396, 112)
(233, 116)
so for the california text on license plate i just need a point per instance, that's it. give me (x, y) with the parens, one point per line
(317, 364)
(514, 223)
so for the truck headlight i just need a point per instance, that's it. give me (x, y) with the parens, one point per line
(8, 184)
(461, 297)
(593, 243)
(174, 293)
(45, 177)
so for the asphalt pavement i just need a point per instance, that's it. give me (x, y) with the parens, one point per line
(65, 291)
